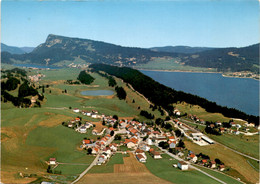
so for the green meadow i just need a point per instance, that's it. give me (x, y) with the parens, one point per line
(163, 168)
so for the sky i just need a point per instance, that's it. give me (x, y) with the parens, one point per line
(146, 23)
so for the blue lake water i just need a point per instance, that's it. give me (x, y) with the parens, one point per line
(37, 66)
(97, 92)
(239, 93)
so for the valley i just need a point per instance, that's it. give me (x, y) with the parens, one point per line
(30, 136)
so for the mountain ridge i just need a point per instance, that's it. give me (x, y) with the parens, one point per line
(58, 48)
(15, 50)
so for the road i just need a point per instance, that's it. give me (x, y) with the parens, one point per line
(190, 166)
(96, 159)
(89, 167)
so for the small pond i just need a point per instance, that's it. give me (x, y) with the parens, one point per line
(97, 92)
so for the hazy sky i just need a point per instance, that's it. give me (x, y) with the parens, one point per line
(146, 23)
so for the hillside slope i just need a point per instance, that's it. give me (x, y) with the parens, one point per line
(60, 48)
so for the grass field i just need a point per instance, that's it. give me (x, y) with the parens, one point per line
(171, 64)
(220, 176)
(238, 164)
(245, 144)
(109, 166)
(163, 168)
(200, 112)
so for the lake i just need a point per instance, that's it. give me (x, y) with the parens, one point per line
(238, 93)
(97, 92)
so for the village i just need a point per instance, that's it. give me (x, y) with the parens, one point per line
(140, 139)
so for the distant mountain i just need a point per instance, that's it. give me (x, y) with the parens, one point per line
(27, 49)
(180, 49)
(60, 48)
(227, 59)
(11, 49)
(15, 50)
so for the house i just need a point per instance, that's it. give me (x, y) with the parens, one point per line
(52, 161)
(177, 112)
(140, 158)
(233, 124)
(193, 157)
(95, 151)
(236, 132)
(76, 110)
(70, 124)
(221, 167)
(211, 125)
(212, 164)
(131, 143)
(183, 165)
(238, 125)
(149, 141)
(218, 123)
(94, 132)
(171, 138)
(172, 144)
(204, 162)
(221, 129)
(86, 141)
(145, 147)
(101, 160)
(113, 147)
(77, 119)
(160, 139)
(94, 116)
(155, 154)
(250, 124)
(83, 129)
(109, 130)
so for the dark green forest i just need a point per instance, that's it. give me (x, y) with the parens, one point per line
(85, 78)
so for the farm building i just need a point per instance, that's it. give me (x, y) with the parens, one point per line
(183, 165)
(52, 161)
(208, 140)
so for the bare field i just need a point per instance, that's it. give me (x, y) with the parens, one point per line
(131, 165)
(131, 172)
(119, 178)
(99, 127)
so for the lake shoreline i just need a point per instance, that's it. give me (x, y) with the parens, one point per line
(188, 71)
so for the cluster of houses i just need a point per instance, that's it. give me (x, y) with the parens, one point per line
(235, 128)
(92, 113)
(35, 78)
(103, 147)
(204, 162)
(78, 126)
